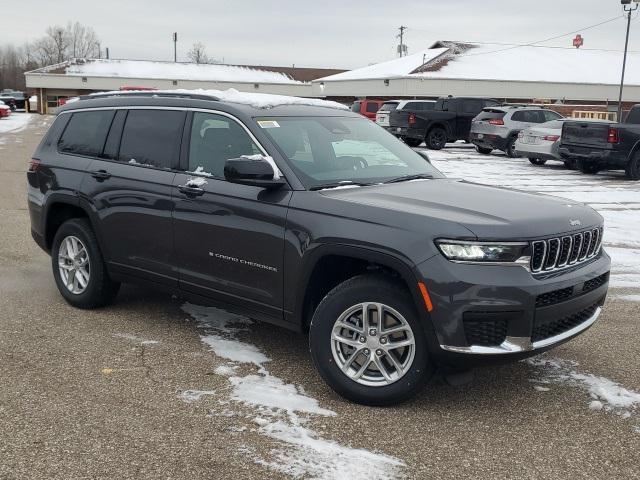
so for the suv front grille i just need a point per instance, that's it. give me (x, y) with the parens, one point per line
(559, 252)
(543, 330)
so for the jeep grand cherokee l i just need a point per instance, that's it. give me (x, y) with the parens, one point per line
(316, 219)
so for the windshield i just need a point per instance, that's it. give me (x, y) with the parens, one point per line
(325, 151)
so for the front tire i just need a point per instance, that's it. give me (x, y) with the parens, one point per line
(570, 164)
(436, 138)
(78, 266)
(413, 142)
(537, 161)
(588, 168)
(633, 167)
(362, 358)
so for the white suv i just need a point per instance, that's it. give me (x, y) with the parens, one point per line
(498, 127)
(383, 115)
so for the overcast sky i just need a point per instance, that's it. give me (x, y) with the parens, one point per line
(330, 33)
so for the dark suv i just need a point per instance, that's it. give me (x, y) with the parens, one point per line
(315, 219)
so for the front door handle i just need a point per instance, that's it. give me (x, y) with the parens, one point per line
(191, 191)
(101, 175)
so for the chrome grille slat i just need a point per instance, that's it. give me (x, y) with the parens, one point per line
(560, 252)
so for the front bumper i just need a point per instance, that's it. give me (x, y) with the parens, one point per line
(514, 314)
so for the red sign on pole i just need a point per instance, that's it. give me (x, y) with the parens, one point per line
(578, 41)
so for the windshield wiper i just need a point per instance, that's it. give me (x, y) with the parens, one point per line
(406, 178)
(340, 184)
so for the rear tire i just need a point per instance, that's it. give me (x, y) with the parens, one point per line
(633, 167)
(510, 149)
(538, 161)
(436, 138)
(413, 142)
(87, 283)
(570, 164)
(484, 151)
(364, 382)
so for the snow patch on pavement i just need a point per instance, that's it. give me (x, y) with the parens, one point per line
(282, 411)
(15, 122)
(605, 394)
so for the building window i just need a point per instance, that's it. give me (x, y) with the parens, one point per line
(84, 79)
(175, 82)
(256, 85)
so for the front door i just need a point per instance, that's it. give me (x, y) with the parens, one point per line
(130, 190)
(229, 238)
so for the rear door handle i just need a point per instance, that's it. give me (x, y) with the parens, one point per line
(101, 175)
(191, 191)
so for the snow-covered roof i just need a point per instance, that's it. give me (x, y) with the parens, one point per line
(455, 60)
(167, 70)
(256, 100)
(393, 68)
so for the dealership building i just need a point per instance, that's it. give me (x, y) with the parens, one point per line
(576, 77)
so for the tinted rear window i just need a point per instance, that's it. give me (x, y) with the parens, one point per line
(389, 106)
(419, 106)
(372, 107)
(86, 132)
(490, 115)
(152, 137)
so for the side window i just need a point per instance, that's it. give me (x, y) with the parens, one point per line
(550, 115)
(471, 106)
(356, 107)
(86, 133)
(518, 117)
(372, 107)
(214, 140)
(152, 137)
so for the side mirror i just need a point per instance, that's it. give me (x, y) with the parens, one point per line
(424, 155)
(255, 171)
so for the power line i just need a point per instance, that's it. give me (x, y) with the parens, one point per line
(534, 44)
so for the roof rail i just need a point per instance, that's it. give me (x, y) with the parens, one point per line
(194, 96)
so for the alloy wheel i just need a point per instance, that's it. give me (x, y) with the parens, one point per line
(74, 265)
(373, 344)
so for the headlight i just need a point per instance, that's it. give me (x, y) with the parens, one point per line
(490, 252)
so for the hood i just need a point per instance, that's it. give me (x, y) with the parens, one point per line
(490, 213)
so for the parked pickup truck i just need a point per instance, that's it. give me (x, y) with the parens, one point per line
(595, 146)
(450, 120)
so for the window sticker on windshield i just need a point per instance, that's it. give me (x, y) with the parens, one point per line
(268, 124)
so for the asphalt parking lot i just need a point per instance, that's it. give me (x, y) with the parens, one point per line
(144, 389)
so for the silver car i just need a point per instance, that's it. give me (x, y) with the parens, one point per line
(540, 143)
(498, 127)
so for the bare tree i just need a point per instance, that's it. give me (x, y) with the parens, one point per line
(197, 54)
(83, 41)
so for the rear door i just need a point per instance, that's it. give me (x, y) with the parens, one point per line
(229, 237)
(129, 190)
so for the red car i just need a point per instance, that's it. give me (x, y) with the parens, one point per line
(368, 107)
(5, 111)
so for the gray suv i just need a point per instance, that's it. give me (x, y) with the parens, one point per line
(497, 128)
(315, 219)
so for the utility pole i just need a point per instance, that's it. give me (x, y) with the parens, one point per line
(402, 49)
(629, 10)
(175, 47)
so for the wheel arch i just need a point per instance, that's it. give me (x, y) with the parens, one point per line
(59, 209)
(329, 265)
(434, 125)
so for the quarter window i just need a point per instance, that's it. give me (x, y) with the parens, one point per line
(152, 137)
(550, 115)
(86, 132)
(214, 140)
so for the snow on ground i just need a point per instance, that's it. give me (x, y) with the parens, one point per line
(135, 338)
(280, 411)
(614, 197)
(15, 122)
(603, 393)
